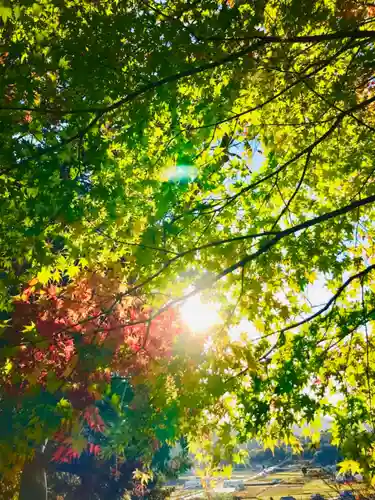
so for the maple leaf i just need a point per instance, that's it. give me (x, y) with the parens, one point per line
(44, 275)
(94, 449)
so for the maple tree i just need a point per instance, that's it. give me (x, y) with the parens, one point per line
(215, 148)
(60, 350)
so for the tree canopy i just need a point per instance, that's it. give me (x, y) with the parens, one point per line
(156, 151)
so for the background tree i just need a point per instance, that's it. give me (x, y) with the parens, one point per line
(116, 461)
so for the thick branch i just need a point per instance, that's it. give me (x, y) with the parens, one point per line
(152, 86)
(321, 65)
(238, 265)
(338, 35)
(174, 78)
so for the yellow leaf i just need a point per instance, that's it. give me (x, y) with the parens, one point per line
(83, 262)
(143, 477)
(139, 225)
(56, 275)
(315, 437)
(64, 403)
(259, 325)
(8, 366)
(227, 470)
(44, 275)
(29, 328)
(72, 271)
(349, 466)
(306, 432)
(36, 98)
(311, 276)
(269, 443)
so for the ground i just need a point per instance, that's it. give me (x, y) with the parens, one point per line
(293, 483)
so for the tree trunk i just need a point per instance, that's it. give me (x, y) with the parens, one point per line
(86, 490)
(34, 479)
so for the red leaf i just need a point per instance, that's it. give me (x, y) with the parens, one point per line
(94, 449)
(58, 454)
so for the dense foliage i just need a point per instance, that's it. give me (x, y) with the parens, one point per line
(57, 379)
(222, 148)
(114, 461)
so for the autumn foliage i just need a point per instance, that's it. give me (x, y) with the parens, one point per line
(69, 340)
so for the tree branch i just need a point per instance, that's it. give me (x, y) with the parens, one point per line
(331, 301)
(304, 77)
(306, 150)
(338, 35)
(292, 230)
(251, 257)
(299, 184)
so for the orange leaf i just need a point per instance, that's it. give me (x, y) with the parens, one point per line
(33, 282)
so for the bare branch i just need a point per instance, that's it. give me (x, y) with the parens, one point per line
(333, 105)
(321, 65)
(287, 205)
(132, 244)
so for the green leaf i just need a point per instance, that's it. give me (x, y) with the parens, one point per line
(5, 13)
(53, 383)
(64, 404)
(63, 63)
(17, 11)
(37, 8)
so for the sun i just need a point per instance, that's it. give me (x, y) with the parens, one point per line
(199, 316)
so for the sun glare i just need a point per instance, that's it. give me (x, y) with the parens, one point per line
(200, 316)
